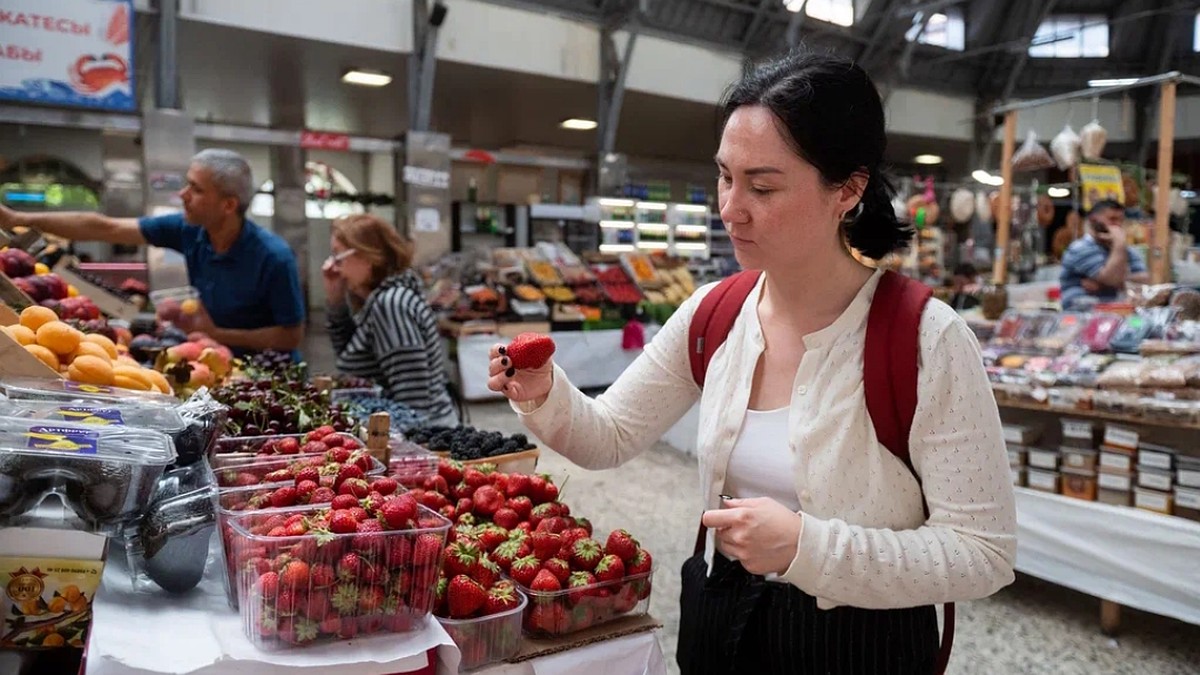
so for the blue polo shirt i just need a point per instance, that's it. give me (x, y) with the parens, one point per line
(255, 284)
(1084, 259)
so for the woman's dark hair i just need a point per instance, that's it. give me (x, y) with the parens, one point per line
(833, 117)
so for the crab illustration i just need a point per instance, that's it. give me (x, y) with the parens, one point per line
(92, 74)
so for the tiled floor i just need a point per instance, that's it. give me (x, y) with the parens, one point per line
(1029, 627)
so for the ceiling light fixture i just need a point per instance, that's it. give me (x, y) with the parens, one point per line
(1112, 82)
(986, 178)
(578, 124)
(928, 159)
(1058, 192)
(367, 78)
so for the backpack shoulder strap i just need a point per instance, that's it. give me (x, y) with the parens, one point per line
(890, 359)
(714, 319)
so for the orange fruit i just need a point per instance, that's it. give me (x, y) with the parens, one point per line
(44, 355)
(41, 268)
(34, 316)
(54, 640)
(72, 292)
(21, 334)
(189, 306)
(102, 340)
(90, 349)
(91, 370)
(135, 373)
(58, 604)
(159, 381)
(71, 592)
(58, 337)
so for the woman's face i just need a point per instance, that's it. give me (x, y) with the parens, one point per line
(776, 208)
(352, 265)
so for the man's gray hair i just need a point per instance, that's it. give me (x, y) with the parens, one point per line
(230, 173)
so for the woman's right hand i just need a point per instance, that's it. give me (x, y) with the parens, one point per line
(335, 283)
(520, 386)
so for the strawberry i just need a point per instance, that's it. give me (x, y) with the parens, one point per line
(277, 532)
(581, 618)
(440, 595)
(243, 479)
(300, 632)
(585, 524)
(346, 473)
(559, 568)
(487, 468)
(349, 567)
(546, 582)
(278, 476)
(537, 488)
(626, 599)
(641, 563)
(554, 524)
(464, 505)
(370, 599)
(540, 513)
(610, 568)
(322, 495)
(545, 544)
(500, 482)
(451, 470)
(530, 350)
(549, 618)
(399, 553)
(462, 491)
(319, 433)
(490, 536)
(344, 502)
(286, 602)
(505, 554)
(287, 446)
(524, 570)
(372, 623)
(374, 574)
(309, 473)
(522, 504)
(385, 486)
(356, 487)
(436, 484)
(506, 518)
(621, 544)
(372, 502)
(342, 521)
(336, 455)
(322, 576)
(267, 585)
(399, 512)
(487, 500)
(369, 540)
(518, 485)
(351, 443)
(360, 514)
(330, 625)
(345, 598)
(585, 554)
(426, 549)
(294, 574)
(549, 492)
(475, 478)
(461, 558)
(501, 598)
(305, 490)
(486, 572)
(573, 534)
(296, 529)
(317, 605)
(448, 512)
(576, 583)
(334, 441)
(464, 596)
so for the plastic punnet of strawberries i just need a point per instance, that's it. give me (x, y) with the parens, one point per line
(326, 459)
(318, 574)
(515, 525)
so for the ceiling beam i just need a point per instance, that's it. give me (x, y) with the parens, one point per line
(1023, 56)
(877, 35)
(756, 22)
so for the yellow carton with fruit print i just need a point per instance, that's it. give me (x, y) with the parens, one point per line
(47, 602)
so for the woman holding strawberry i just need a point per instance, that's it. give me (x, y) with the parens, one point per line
(839, 535)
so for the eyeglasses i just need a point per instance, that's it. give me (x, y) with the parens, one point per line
(336, 259)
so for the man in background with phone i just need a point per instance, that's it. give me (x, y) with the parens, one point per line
(1096, 267)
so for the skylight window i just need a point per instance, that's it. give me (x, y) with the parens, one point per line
(944, 29)
(1071, 37)
(839, 12)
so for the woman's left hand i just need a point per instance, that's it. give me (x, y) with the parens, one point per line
(760, 533)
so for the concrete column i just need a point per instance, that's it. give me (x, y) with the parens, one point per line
(423, 182)
(168, 143)
(290, 220)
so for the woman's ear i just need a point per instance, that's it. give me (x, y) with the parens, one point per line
(851, 192)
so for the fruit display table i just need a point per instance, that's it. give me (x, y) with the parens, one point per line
(590, 358)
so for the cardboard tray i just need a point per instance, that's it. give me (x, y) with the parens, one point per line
(112, 305)
(15, 361)
(12, 296)
(514, 462)
(532, 649)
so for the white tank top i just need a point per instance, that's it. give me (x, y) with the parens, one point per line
(762, 464)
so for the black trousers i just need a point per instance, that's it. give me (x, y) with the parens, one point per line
(734, 623)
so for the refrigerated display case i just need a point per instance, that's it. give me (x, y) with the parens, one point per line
(565, 224)
(691, 231)
(488, 226)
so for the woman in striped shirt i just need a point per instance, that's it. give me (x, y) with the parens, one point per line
(378, 320)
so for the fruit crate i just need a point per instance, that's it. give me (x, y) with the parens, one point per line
(391, 588)
(487, 639)
(409, 463)
(169, 305)
(553, 614)
(524, 461)
(239, 471)
(251, 446)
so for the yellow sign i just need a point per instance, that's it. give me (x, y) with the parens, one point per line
(1100, 182)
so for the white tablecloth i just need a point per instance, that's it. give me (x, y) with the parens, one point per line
(1129, 556)
(590, 359)
(637, 654)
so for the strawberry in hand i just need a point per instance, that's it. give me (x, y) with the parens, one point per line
(530, 351)
(522, 370)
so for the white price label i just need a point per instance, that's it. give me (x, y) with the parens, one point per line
(1189, 478)
(1155, 459)
(1187, 499)
(1111, 481)
(1121, 437)
(1116, 460)
(1043, 481)
(1154, 480)
(1152, 501)
(1078, 429)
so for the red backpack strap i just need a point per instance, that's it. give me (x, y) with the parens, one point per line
(714, 319)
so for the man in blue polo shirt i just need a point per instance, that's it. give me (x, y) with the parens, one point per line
(1096, 267)
(247, 276)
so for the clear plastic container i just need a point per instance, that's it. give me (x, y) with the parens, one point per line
(393, 591)
(168, 548)
(260, 446)
(156, 418)
(171, 305)
(487, 639)
(553, 613)
(410, 464)
(107, 475)
(241, 471)
(39, 389)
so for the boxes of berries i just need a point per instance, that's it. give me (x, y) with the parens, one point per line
(485, 624)
(320, 574)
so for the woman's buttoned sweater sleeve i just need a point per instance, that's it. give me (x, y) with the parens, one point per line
(642, 405)
(966, 548)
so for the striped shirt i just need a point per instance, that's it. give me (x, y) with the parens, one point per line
(394, 341)
(1084, 259)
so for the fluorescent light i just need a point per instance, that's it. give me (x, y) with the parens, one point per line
(928, 159)
(987, 178)
(609, 201)
(1058, 192)
(692, 208)
(617, 224)
(692, 229)
(689, 246)
(367, 78)
(578, 124)
(652, 206)
(655, 245)
(1187, 194)
(1112, 82)
(615, 248)
(654, 227)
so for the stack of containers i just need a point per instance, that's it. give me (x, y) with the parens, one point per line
(1079, 459)
(1116, 477)
(1187, 487)
(1018, 438)
(1155, 479)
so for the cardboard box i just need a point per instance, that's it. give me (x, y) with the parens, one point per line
(112, 305)
(50, 579)
(15, 361)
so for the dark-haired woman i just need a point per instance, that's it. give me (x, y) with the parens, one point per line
(824, 561)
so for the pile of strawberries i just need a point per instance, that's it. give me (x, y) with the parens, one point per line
(358, 566)
(326, 466)
(314, 442)
(513, 527)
